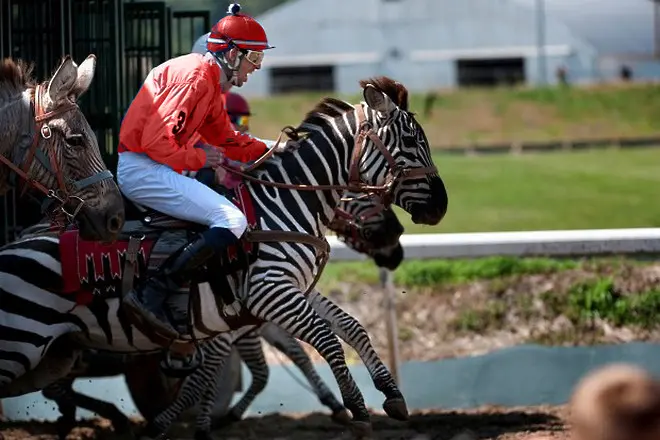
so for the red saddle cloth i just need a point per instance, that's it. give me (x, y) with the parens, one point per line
(92, 268)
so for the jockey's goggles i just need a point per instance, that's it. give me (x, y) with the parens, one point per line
(240, 120)
(254, 57)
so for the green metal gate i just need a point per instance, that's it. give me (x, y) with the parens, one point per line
(128, 39)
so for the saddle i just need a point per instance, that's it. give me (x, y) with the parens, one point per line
(93, 270)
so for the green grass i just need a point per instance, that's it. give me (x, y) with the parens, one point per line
(466, 116)
(433, 273)
(580, 190)
(589, 305)
(601, 300)
(427, 273)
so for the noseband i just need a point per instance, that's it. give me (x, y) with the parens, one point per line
(61, 195)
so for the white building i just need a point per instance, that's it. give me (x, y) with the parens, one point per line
(426, 44)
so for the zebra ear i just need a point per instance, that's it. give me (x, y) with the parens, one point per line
(85, 76)
(63, 80)
(378, 100)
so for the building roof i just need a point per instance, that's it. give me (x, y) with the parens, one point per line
(612, 27)
(368, 31)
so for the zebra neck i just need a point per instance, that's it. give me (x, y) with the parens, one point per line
(324, 158)
(16, 112)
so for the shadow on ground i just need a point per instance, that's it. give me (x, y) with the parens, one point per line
(427, 425)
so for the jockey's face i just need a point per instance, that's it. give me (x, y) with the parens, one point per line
(244, 70)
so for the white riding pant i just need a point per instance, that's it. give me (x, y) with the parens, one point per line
(157, 186)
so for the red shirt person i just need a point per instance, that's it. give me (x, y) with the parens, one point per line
(176, 123)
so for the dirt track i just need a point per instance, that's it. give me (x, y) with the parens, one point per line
(424, 320)
(485, 423)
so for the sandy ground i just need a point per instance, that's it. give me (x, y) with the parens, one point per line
(438, 323)
(533, 423)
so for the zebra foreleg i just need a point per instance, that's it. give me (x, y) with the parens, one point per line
(290, 310)
(355, 335)
(205, 378)
(58, 391)
(68, 401)
(288, 345)
(56, 364)
(250, 350)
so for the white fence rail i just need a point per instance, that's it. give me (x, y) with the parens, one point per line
(520, 244)
(569, 243)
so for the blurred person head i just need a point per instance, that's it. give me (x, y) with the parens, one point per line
(616, 402)
(239, 111)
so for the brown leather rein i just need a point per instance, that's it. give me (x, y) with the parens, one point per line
(355, 184)
(62, 195)
(365, 130)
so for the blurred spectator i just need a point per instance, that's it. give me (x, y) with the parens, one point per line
(239, 111)
(617, 402)
(562, 75)
(625, 73)
(429, 100)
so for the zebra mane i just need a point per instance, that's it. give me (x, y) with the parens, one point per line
(15, 75)
(333, 107)
(328, 106)
(396, 91)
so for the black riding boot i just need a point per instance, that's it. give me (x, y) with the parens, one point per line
(172, 275)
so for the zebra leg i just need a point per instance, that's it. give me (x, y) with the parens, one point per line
(55, 364)
(287, 307)
(60, 392)
(250, 350)
(204, 378)
(288, 345)
(355, 335)
(68, 400)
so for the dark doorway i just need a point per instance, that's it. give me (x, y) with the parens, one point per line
(490, 72)
(306, 78)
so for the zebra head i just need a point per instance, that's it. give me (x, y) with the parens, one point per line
(54, 149)
(396, 153)
(368, 227)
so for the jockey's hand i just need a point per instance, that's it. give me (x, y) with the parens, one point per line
(214, 156)
(290, 145)
(226, 178)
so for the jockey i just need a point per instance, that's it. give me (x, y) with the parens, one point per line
(238, 110)
(178, 123)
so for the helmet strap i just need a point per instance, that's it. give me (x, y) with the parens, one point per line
(230, 69)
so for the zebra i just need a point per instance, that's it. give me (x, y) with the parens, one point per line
(358, 222)
(374, 146)
(195, 388)
(48, 147)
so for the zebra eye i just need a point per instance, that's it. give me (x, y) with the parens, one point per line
(409, 141)
(75, 140)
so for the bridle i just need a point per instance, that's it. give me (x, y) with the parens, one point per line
(61, 195)
(366, 131)
(348, 226)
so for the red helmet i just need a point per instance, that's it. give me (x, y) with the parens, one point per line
(239, 30)
(236, 104)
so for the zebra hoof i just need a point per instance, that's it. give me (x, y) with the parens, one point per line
(362, 430)
(341, 417)
(203, 435)
(123, 428)
(396, 408)
(64, 426)
(224, 421)
(150, 432)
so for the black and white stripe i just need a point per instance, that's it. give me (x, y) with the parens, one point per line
(383, 224)
(282, 272)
